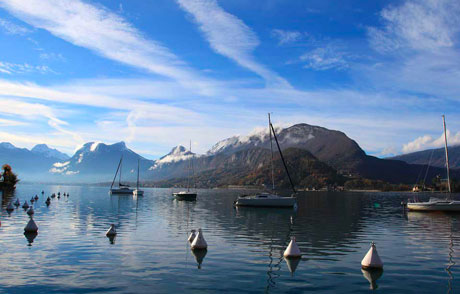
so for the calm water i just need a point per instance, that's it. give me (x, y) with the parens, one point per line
(150, 254)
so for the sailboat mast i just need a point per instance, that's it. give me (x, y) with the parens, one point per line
(114, 177)
(189, 167)
(447, 153)
(271, 152)
(119, 179)
(137, 185)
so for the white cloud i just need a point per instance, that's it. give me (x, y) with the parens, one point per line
(427, 141)
(286, 37)
(10, 122)
(13, 29)
(325, 58)
(229, 36)
(15, 68)
(107, 34)
(418, 25)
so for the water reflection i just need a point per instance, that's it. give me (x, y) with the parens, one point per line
(372, 276)
(292, 264)
(199, 256)
(30, 237)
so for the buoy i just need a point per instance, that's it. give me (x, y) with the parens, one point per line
(53, 195)
(31, 211)
(292, 251)
(372, 259)
(199, 243)
(111, 231)
(48, 201)
(192, 236)
(59, 193)
(17, 203)
(59, 196)
(31, 227)
(43, 192)
(32, 200)
(36, 197)
(10, 207)
(25, 205)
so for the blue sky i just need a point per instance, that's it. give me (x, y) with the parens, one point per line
(157, 73)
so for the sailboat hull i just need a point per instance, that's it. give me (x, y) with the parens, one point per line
(435, 206)
(121, 191)
(187, 196)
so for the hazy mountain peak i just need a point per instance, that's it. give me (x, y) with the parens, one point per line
(7, 145)
(49, 152)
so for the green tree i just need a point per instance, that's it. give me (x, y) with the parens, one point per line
(8, 177)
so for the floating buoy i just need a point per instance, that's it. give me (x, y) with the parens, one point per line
(59, 196)
(192, 236)
(32, 200)
(25, 205)
(10, 207)
(31, 211)
(48, 201)
(17, 203)
(36, 197)
(372, 259)
(292, 251)
(43, 192)
(111, 232)
(59, 193)
(31, 227)
(199, 243)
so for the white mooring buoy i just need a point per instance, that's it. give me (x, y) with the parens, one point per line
(25, 205)
(199, 243)
(192, 236)
(31, 211)
(292, 251)
(372, 259)
(111, 231)
(10, 207)
(31, 227)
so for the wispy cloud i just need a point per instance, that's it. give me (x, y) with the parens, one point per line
(286, 37)
(12, 28)
(229, 36)
(15, 68)
(417, 25)
(325, 58)
(105, 33)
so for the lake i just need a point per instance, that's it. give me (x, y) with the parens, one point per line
(150, 254)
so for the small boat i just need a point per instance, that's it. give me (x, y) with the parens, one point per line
(136, 191)
(438, 204)
(123, 189)
(187, 195)
(270, 199)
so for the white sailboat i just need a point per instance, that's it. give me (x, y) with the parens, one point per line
(437, 204)
(187, 195)
(270, 199)
(123, 189)
(137, 191)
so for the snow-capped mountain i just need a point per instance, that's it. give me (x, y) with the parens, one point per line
(178, 153)
(97, 162)
(49, 152)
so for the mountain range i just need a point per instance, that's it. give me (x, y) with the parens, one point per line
(316, 156)
(433, 157)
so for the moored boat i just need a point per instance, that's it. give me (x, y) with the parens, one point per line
(122, 189)
(270, 199)
(187, 195)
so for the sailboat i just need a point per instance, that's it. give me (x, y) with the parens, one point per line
(187, 195)
(436, 204)
(270, 199)
(122, 189)
(136, 191)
